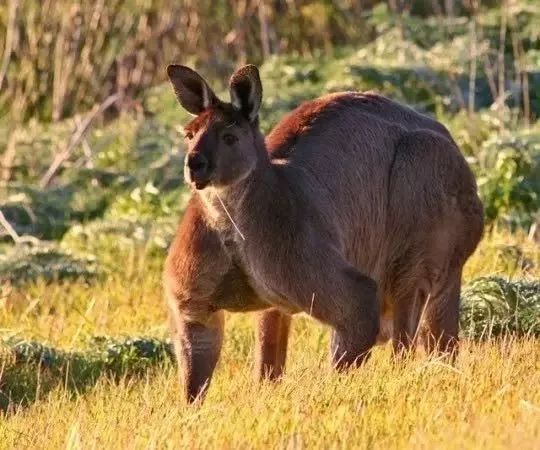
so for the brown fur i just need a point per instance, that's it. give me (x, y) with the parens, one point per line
(356, 210)
(271, 343)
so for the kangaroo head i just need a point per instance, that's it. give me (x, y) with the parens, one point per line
(221, 138)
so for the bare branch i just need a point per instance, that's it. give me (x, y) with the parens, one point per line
(10, 39)
(6, 163)
(500, 60)
(473, 64)
(14, 235)
(76, 138)
(10, 230)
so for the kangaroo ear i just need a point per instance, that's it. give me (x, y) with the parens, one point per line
(246, 91)
(191, 90)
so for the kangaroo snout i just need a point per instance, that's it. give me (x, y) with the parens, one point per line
(197, 170)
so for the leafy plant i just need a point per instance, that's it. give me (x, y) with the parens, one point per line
(46, 261)
(510, 185)
(29, 366)
(493, 306)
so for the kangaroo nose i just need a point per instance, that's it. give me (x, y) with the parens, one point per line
(198, 165)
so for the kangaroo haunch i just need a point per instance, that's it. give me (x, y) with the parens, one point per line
(355, 209)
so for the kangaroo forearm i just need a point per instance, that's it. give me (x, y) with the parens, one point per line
(198, 347)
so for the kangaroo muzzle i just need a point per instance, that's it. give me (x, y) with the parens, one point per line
(198, 170)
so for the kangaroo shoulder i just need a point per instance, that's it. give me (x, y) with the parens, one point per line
(195, 247)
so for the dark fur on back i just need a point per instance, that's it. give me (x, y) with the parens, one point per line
(280, 141)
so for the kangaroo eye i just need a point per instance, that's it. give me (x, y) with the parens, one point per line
(229, 139)
(188, 135)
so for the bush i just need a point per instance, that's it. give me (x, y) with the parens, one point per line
(30, 368)
(24, 264)
(493, 307)
(509, 180)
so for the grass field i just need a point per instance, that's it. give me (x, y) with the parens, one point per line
(84, 356)
(489, 399)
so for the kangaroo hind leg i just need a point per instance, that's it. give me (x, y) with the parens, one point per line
(272, 337)
(441, 323)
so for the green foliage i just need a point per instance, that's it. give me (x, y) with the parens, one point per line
(147, 202)
(87, 51)
(492, 307)
(471, 131)
(125, 167)
(121, 243)
(31, 213)
(509, 180)
(24, 264)
(131, 174)
(123, 46)
(48, 214)
(31, 367)
(506, 160)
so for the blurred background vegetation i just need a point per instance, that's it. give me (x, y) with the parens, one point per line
(91, 141)
(60, 57)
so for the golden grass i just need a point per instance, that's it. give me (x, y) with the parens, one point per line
(67, 314)
(504, 254)
(489, 399)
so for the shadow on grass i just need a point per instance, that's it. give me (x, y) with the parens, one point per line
(29, 370)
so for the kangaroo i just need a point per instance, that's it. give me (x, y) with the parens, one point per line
(355, 209)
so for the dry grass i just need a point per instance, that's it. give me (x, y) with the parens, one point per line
(489, 399)
(508, 255)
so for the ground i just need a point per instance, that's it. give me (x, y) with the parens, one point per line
(490, 398)
(84, 356)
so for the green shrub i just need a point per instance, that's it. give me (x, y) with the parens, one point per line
(30, 368)
(493, 306)
(27, 263)
(509, 180)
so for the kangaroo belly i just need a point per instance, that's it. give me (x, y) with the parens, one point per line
(235, 293)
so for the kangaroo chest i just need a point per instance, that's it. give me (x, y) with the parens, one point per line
(245, 255)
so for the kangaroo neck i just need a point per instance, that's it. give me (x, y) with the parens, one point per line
(239, 210)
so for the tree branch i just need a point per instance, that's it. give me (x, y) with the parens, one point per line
(75, 139)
